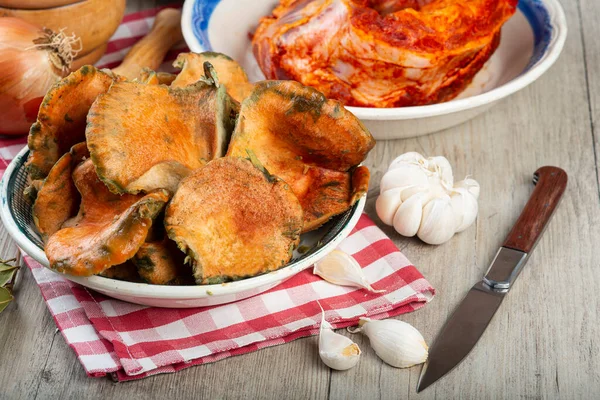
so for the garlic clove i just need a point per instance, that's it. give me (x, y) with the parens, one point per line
(408, 217)
(387, 204)
(465, 208)
(336, 351)
(471, 185)
(412, 190)
(459, 206)
(443, 169)
(411, 157)
(397, 343)
(438, 222)
(406, 175)
(341, 269)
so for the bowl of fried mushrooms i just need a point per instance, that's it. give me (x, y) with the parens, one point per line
(185, 190)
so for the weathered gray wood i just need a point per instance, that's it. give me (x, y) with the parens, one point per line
(27, 333)
(588, 10)
(291, 369)
(542, 344)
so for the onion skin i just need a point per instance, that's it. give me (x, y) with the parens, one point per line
(94, 21)
(19, 117)
(27, 74)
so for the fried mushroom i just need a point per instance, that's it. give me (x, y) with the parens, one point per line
(230, 73)
(58, 199)
(162, 263)
(108, 230)
(234, 221)
(123, 272)
(312, 143)
(62, 116)
(145, 137)
(151, 77)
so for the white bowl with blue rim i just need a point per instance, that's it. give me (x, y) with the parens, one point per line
(531, 42)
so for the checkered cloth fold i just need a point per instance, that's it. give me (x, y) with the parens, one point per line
(131, 341)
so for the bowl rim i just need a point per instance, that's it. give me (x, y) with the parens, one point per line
(557, 22)
(145, 290)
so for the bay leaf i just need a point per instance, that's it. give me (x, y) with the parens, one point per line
(6, 266)
(6, 276)
(5, 298)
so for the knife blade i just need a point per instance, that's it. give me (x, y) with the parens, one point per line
(472, 316)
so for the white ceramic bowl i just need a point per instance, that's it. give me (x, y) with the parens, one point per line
(16, 216)
(531, 42)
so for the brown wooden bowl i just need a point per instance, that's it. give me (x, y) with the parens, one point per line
(94, 21)
(36, 4)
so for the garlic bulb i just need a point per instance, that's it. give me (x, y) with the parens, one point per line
(341, 269)
(397, 343)
(419, 197)
(336, 351)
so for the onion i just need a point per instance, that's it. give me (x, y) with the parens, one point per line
(31, 61)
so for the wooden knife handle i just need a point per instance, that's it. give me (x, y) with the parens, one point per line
(551, 183)
(151, 50)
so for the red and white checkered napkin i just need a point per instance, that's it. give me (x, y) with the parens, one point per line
(131, 341)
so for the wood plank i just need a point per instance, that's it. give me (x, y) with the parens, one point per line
(294, 368)
(588, 11)
(27, 333)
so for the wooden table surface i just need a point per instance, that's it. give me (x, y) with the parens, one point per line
(543, 343)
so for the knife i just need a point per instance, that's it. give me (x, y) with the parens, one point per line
(468, 322)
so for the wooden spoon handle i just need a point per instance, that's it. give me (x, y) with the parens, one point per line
(551, 183)
(151, 50)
